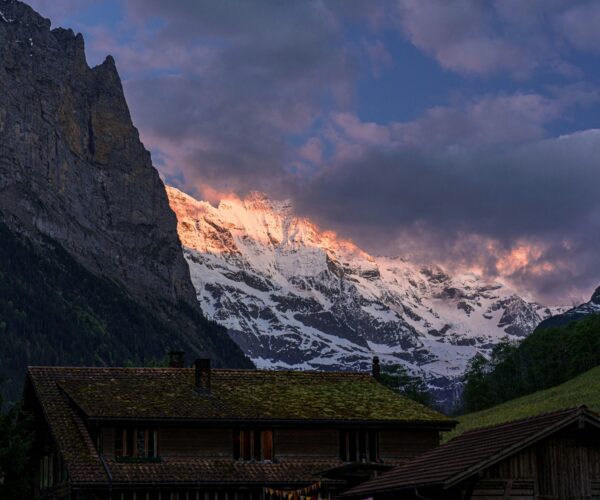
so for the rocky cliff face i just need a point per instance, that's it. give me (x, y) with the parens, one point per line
(72, 166)
(295, 296)
(79, 195)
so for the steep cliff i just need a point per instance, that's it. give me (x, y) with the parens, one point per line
(72, 166)
(74, 176)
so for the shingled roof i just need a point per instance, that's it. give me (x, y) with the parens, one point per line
(194, 471)
(72, 397)
(471, 452)
(169, 394)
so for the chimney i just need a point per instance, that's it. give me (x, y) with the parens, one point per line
(202, 375)
(376, 368)
(176, 359)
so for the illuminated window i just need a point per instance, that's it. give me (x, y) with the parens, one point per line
(253, 444)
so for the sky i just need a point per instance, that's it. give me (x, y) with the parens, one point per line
(464, 133)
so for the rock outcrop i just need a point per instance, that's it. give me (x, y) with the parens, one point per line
(72, 166)
(75, 178)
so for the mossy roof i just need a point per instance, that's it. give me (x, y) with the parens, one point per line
(169, 393)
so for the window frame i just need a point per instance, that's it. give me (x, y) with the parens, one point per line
(253, 445)
(359, 445)
(128, 444)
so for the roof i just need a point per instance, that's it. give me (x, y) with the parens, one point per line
(190, 471)
(472, 452)
(69, 397)
(169, 394)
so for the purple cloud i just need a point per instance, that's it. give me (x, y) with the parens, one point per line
(427, 203)
(580, 26)
(244, 95)
(501, 37)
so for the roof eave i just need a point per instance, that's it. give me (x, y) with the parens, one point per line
(206, 484)
(218, 422)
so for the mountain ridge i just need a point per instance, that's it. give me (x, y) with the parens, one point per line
(592, 306)
(292, 295)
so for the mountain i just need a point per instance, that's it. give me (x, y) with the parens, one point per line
(581, 390)
(78, 192)
(72, 167)
(294, 296)
(575, 313)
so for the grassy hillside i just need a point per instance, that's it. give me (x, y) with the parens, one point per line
(546, 358)
(583, 389)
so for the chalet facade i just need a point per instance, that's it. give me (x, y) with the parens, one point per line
(200, 434)
(553, 456)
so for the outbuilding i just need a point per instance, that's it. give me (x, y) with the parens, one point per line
(551, 456)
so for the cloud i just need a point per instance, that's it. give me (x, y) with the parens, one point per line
(496, 119)
(233, 96)
(522, 209)
(218, 87)
(580, 26)
(462, 36)
(379, 57)
(57, 10)
(502, 37)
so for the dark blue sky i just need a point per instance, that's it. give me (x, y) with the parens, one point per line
(460, 132)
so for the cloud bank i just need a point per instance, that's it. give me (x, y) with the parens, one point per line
(497, 174)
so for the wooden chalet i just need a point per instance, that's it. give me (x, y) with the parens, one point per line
(200, 434)
(551, 456)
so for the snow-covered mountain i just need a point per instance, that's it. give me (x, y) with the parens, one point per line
(293, 296)
(575, 313)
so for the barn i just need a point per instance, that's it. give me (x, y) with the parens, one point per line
(550, 456)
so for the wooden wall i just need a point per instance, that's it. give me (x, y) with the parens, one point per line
(288, 443)
(178, 442)
(504, 489)
(405, 444)
(108, 441)
(182, 442)
(563, 466)
(298, 443)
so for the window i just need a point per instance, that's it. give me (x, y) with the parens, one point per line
(359, 446)
(140, 442)
(46, 472)
(253, 444)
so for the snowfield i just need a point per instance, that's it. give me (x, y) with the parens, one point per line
(293, 296)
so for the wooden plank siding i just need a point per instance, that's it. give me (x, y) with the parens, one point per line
(564, 466)
(496, 489)
(306, 443)
(394, 445)
(397, 445)
(108, 441)
(181, 442)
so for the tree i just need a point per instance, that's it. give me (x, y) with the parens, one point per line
(16, 439)
(477, 392)
(546, 358)
(397, 378)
